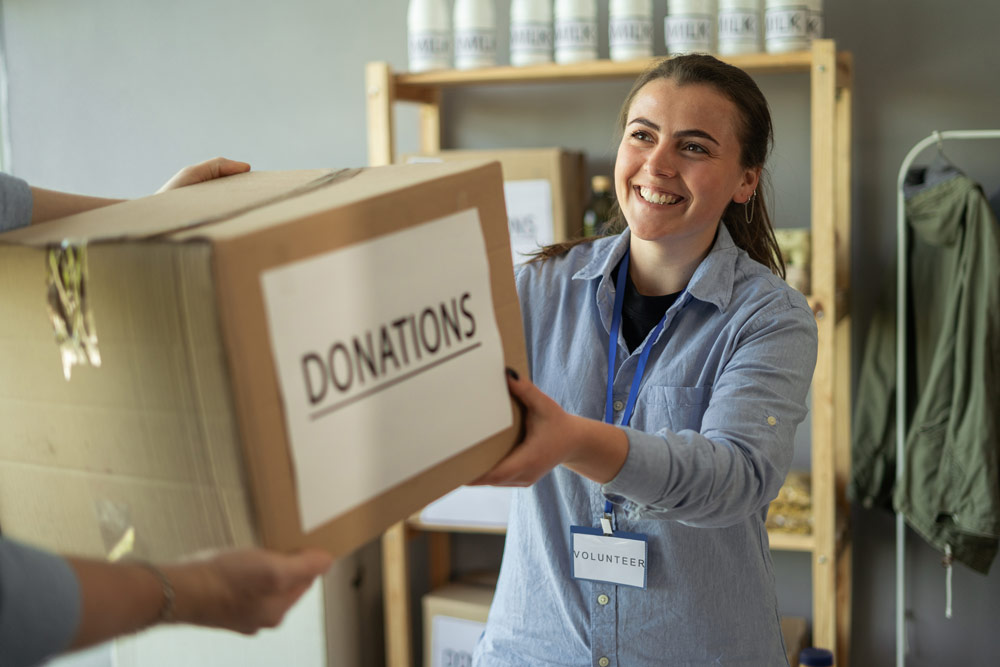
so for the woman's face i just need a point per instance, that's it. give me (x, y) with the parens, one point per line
(678, 164)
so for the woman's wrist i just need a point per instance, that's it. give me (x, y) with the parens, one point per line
(166, 612)
(600, 451)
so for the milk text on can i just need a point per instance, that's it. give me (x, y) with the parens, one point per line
(689, 26)
(530, 32)
(428, 26)
(740, 27)
(475, 34)
(630, 29)
(576, 30)
(786, 25)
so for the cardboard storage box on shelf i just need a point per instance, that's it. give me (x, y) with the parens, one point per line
(285, 359)
(546, 191)
(454, 618)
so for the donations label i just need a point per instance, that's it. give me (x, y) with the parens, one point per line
(388, 358)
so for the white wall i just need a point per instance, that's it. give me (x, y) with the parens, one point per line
(112, 96)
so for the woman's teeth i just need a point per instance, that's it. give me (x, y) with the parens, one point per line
(654, 197)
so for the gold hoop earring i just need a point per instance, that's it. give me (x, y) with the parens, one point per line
(750, 204)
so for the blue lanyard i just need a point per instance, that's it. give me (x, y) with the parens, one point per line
(616, 325)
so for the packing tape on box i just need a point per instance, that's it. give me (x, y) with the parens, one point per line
(69, 310)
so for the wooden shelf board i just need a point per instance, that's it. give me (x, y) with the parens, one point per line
(790, 542)
(415, 523)
(755, 63)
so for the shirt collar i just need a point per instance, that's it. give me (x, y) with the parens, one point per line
(601, 263)
(712, 280)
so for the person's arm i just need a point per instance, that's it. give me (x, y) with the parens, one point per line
(51, 204)
(39, 604)
(239, 590)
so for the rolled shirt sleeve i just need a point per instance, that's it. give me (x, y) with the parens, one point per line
(39, 604)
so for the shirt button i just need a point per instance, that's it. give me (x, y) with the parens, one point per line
(603, 599)
(618, 405)
(604, 662)
(772, 421)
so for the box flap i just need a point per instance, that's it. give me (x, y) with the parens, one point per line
(366, 185)
(172, 210)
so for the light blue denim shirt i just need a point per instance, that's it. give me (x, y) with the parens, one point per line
(710, 443)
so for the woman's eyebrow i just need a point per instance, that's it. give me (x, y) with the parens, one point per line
(701, 134)
(680, 134)
(644, 121)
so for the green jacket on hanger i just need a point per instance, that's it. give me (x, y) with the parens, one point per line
(950, 493)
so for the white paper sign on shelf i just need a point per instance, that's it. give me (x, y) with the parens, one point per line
(529, 216)
(470, 506)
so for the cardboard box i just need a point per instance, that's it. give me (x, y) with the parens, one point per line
(454, 618)
(546, 191)
(286, 359)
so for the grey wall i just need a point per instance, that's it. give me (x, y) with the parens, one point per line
(112, 96)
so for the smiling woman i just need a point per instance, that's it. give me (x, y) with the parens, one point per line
(670, 367)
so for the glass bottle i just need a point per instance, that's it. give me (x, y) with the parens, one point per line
(599, 209)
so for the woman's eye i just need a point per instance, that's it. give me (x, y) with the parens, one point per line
(694, 148)
(641, 135)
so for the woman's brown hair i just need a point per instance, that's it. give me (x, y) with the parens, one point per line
(749, 224)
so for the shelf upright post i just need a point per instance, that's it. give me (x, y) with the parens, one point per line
(430, 123)
(380, 96)
(822, 76)
(842, 350)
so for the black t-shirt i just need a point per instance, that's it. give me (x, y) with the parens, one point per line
(640, 313)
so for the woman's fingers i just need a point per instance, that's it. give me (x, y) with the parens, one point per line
(205, 171)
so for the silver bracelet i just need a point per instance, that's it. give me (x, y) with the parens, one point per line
(166, 614)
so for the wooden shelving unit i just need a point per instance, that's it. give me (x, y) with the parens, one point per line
(829, 544)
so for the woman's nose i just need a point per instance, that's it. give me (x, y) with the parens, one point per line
(660, 162)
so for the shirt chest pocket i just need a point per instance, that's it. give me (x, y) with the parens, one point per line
(673, 408)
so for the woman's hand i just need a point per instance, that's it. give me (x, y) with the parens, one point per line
(205, 171)
(554, 437)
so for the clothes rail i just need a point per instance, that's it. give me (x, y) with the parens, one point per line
(901, 273)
